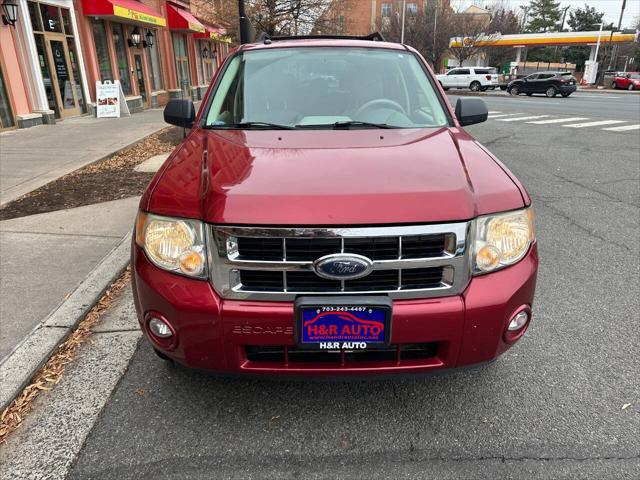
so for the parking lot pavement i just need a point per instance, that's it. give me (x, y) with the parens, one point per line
(563, 403)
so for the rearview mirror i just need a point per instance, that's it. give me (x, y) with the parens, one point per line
(180, 112)
(471, 110)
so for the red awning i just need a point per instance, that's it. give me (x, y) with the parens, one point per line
(123, 10)
(214, 32)
(180, 19)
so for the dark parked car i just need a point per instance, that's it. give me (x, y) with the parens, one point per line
(549, 83)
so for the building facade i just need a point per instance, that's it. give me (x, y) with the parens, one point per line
(57, 50)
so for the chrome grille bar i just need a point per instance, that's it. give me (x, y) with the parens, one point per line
(227, 263)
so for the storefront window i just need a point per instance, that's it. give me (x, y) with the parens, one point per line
(50, 18)
(155, 67)
(102, 51)
(200, 54)
(119, 38)
(182, 63)
(66, 21)
(6, 117)
(35, 17)
(207, 61)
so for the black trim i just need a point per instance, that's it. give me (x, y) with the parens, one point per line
(374, 37)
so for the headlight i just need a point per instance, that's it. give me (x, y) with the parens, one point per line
(502, 239)
(174, 244)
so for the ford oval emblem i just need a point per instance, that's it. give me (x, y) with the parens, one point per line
(343, 266)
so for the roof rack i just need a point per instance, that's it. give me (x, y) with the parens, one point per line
(374, 37)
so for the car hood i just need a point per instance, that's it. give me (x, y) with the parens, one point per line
(330, 177)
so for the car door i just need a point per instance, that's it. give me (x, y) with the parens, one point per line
(450, 78)
(529, 83)
(463, 77)
(545, 80)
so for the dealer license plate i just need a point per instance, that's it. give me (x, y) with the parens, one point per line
(350, 323)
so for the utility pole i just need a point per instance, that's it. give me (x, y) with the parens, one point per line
(564, 15)
(404, 9)
(614, 53)
(525, 9)
(245, 24)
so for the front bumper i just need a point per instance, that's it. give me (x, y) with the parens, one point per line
(216, 334)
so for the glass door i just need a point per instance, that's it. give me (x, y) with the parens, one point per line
(139, 70)
(63, 82)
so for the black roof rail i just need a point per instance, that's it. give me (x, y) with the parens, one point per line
(374, 37)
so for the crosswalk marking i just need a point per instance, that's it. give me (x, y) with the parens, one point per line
(516, 119)
(559, 120)
(594, 124)
(624, 128)
(550, 120)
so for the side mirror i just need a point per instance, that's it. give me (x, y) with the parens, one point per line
(180, 112)
(471, 110)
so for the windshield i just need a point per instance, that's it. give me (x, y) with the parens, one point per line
(317, 87)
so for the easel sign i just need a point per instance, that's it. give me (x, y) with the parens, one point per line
(110, 102)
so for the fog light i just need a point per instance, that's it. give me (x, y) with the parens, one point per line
(159, 328)
(519, 321)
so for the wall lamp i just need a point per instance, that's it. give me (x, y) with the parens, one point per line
(148, 43)
(135, 39)
(9, 12)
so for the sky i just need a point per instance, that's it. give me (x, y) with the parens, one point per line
(611, 8)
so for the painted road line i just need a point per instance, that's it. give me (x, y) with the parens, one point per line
(493, 113)
(559, 120)
(505, 115)
(519, 119)
(594, 124)
(601, 95)
(624, 128)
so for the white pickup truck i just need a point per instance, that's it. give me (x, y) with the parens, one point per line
(475, 78)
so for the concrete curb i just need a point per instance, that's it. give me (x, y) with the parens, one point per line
(23, 362)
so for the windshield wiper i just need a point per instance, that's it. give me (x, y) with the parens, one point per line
(346, 124)
(250, 125)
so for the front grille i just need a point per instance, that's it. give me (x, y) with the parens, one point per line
(375, 248)
(310, 282)
(278, 263)
(393, 353)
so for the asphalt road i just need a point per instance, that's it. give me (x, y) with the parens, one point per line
(552, 407)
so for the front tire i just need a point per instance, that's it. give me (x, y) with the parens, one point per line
(484, 89)
(162, 356)
(475, 86)
(514, 91)
(565, 95)
(630, 87)
(551, 92)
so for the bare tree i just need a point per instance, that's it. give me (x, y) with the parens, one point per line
(428, 30)
(472, 35)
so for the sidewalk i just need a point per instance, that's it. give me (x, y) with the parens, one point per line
(45, 256)
(54, 266)
(32, 157)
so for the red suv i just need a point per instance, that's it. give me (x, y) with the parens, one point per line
(328, 215)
